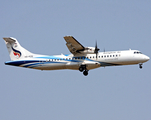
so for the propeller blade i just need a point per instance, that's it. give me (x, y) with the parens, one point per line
(96, 49)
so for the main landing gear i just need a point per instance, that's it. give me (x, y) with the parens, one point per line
(83, 69)
(140, 66)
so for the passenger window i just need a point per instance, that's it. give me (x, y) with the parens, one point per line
(110, 55)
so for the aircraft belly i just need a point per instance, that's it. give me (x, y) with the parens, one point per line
(89, 67)
(72, 65)
(75, 66)
(52, 66)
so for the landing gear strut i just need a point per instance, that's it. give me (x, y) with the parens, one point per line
(140, 66)
(83, 69)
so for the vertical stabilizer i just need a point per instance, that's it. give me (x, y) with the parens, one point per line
(16, 51)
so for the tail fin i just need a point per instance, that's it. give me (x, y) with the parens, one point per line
(16, 51)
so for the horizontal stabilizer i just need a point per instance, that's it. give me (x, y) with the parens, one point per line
(10, 40)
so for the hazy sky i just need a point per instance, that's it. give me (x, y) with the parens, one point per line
(111, 93)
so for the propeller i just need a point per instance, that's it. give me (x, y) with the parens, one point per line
(96, 49)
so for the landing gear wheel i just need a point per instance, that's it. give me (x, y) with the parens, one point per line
(140, 66)
(85, 72)
(81, 69)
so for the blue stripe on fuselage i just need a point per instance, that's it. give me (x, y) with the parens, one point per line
(18, 63)
(35, 63)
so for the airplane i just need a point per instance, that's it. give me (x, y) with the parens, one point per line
(81, 58)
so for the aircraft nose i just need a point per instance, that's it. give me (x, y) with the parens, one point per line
(146, 58)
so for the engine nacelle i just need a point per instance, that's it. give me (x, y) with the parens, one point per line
(88, 50)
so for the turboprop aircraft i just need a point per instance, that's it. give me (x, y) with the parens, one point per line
(82, 58)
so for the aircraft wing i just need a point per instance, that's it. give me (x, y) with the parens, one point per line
(73, 45)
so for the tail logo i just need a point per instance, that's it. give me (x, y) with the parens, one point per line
(16, 53)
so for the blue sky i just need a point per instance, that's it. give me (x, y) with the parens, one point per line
(111, 93)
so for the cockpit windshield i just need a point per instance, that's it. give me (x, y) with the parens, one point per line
(137, 52)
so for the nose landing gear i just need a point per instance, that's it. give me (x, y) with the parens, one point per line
(140, 66)
(83, 69)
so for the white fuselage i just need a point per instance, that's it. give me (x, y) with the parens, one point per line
(103, 59)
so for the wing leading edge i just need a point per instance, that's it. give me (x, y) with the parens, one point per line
(73, 45)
